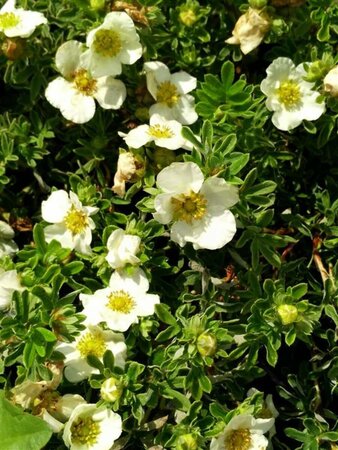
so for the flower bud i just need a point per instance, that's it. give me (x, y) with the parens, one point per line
(13, 48)
(287, 313)
(331, 82)
(206, 344)
(188, 17)
(163, 158)
(187, 442)
(111, 389)
(258, 4)
(97, 4)
(142, 114)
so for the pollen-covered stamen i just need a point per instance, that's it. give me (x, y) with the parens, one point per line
(84, 83)
(238, 439)
(121, 301)
(289, 93)
(160, 131)
(76, 220)
(8, 20)
(189, 207)
(167, 93)
(92, 344)
(107, 43)
(85, 431)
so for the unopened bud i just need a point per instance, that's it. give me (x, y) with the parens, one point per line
(13, 48)
(163, 158)
(188, 17)
(258, 4)
(287, 313)
(206, 344)
(187, 442)
(111, 389)
(97, 4)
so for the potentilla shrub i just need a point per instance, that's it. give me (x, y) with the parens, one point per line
(168, 225)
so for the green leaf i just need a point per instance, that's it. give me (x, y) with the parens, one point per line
(47, 335)
(162, 312)
(238, 162)
(299, 290)
(39, 238)
(189, 136)
(207, 136)
(19, 430)
(227, 74)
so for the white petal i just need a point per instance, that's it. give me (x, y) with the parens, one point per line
(312, 110)
(6, 231)
(60, 233)
(184, 110)
(55, 208)
(100, 66)
(82, 241)
(286, 120)
(135, 283)
(138, 137)
(78, 108)
(163, 207)
(67, 58)
(7, 247)
(29, 20)
(180, 178)
(131, 52)
(9, 6)
(119, 321)
(146, 304)
(219, 194)
(156, 73)
(57, 90)
(184, 82)
(110, 93)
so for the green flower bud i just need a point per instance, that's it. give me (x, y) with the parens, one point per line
(97, 4)
(187, 442)
(188, 17)
(111, 389)
(163, 158)
(258, 4)
(142, 114)
(28, 277)
(206, 344)
(287, 313)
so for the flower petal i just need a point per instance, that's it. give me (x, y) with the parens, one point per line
(55, 208)
(219, 194)
(110, 93)
(184, 82)
(67, 58)
(180, 178)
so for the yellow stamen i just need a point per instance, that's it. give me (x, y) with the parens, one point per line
(289, 93)
(121, 301)
(8, 20)
(107, 43)
(92, 344)
(189, 207)
(85, 431)
(167, 93)
(76, 220)
(84, 83)
(238, 439)
(160, 131)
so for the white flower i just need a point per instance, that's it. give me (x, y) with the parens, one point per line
(164, 133)
(126, 168)
(289, 96)
(16, 22)
(72, 226)
(92, 428)
(243, 432)
(250, 30)
(120, 304)
(91, 341)
(9, 282)
(113, 43)
(198, 207)
(122, 249)
(7, 245)
(331, 82)
(75, 93)
(171, 93)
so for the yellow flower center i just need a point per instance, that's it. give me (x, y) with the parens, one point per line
(121, 301)
(8, 20)
(85, 431)
(160, 131)
(189, 207)
(287, 313)
(167, 93)
(107, 43)
(92, 344)
(76, 220)
(238, 439)
(289, 93)
(84, 83)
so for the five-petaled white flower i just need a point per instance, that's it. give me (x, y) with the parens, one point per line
(113, 43)
(289, 95)
(243, 432)
(72, 226)
(7, 245)
(9, 282)
(164, 133)
(92, 428)
(171, 93)
(198, 207)
(16, 22)
(91, 341)
(75, 93)
(120, 304)
(122, 249)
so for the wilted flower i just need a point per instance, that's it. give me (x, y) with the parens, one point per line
(7, 245)
(198, 207)
(250, 30)
(72, 226)
(75, 93)
(126, 168)
(113, 43)
(289, 95)
(120, 304)
(171, 93)
(243, 432)
(9, 282)
(164, 133)
(92, 428)
(122, 249)
(16, 22)
(92, 341)
(331, 82)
